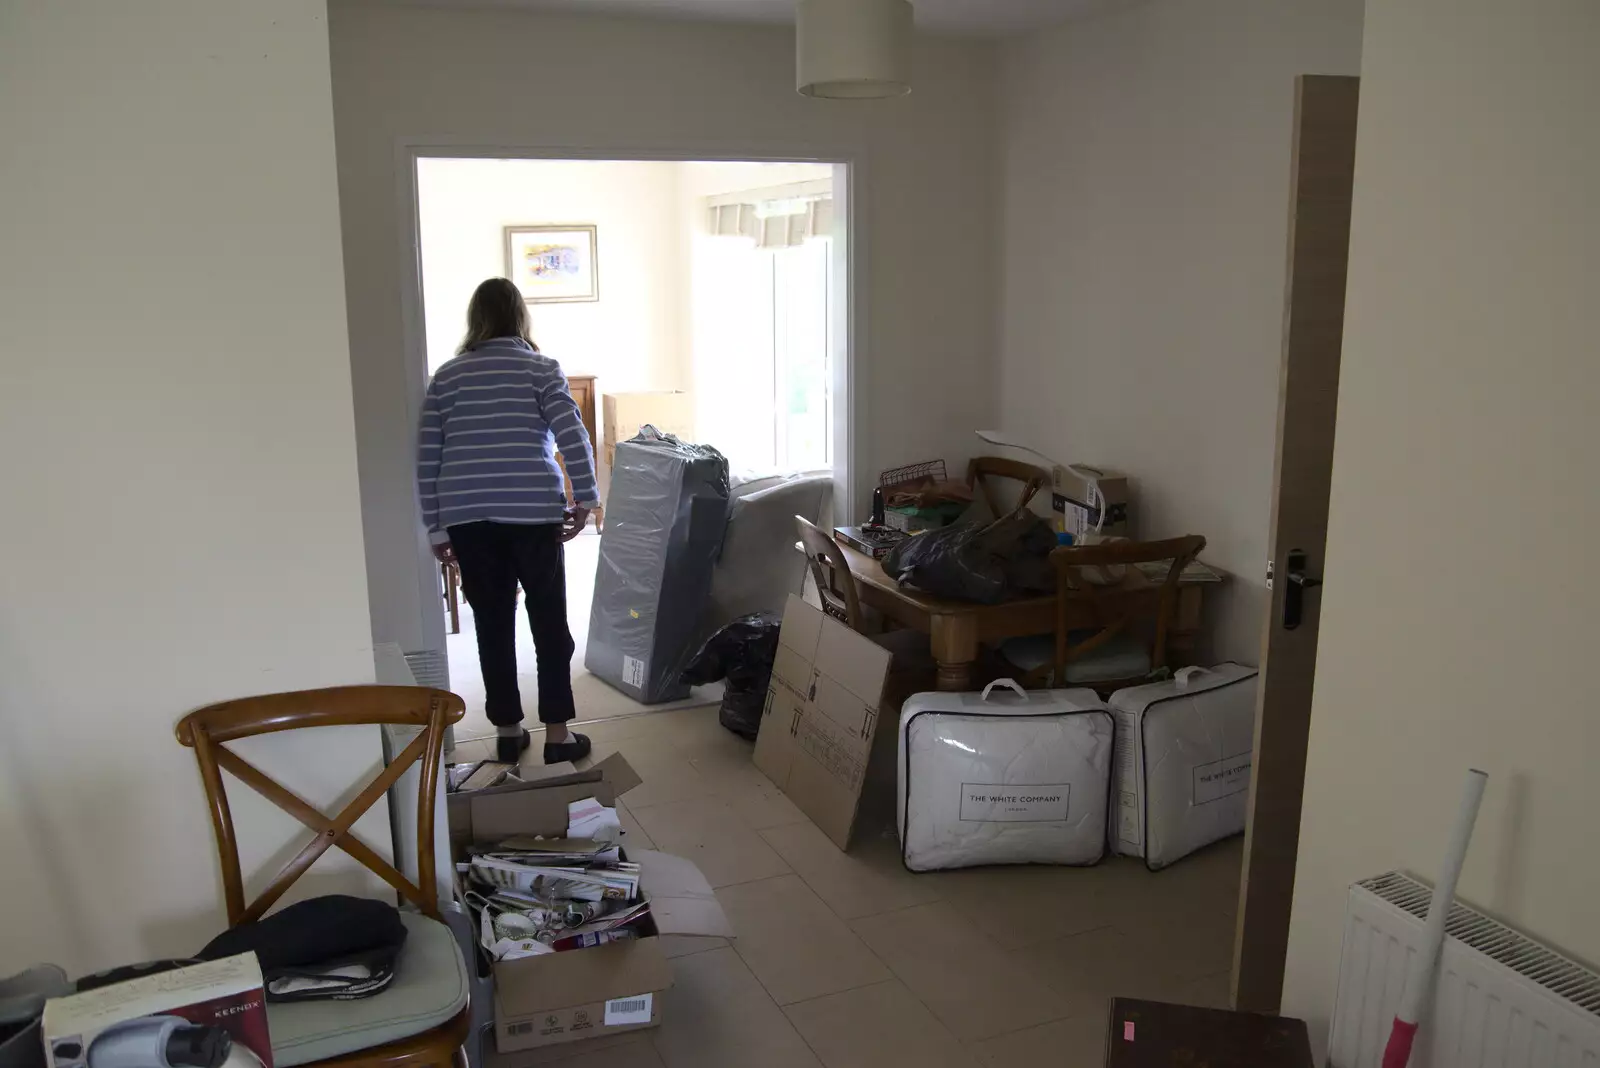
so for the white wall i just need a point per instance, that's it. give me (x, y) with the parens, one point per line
(1458, 620)
(181, 520)
(460, 75)
(1146, 210)
(632, 337)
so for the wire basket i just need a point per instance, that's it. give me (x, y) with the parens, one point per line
(927, 470)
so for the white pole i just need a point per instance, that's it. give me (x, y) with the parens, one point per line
(1418, 992)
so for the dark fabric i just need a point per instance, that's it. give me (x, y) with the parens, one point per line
(989, 563)
(494, 558)
(743, 653)
(314, 933)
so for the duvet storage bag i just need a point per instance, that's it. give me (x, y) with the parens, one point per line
(1003, 777)
(1183, 762)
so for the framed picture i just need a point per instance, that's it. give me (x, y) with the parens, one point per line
(553, 264)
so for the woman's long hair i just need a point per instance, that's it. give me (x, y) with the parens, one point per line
(496, 310)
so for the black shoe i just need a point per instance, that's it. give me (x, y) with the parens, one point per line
(576, 747)
(510, 750)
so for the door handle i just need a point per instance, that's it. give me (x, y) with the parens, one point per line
(1297, 582)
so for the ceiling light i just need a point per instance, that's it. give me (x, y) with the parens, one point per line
(853, 49)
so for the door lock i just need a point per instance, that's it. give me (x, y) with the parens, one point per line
(1294, 592)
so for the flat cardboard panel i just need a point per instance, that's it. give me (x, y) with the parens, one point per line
(537, 803)
(815, 741)
(681, 898)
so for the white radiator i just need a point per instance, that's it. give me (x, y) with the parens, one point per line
(1503, 1001)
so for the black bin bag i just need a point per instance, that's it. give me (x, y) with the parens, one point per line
(741, 652)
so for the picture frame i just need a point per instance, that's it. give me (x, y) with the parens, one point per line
(554, 263)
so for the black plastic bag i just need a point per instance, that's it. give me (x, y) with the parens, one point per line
(984, 562)
(741, 652)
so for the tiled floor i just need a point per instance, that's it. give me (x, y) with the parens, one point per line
(850, 961)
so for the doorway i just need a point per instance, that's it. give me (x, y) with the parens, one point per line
(708, 298)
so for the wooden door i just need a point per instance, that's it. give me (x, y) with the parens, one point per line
(1322, 170)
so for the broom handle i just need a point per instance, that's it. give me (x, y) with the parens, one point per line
(1418, 992)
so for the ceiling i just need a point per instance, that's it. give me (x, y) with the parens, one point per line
(982, 18)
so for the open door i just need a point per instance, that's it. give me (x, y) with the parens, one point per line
(1322, 170)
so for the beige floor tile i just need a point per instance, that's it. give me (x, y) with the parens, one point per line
(667, 775)
(874, 1026)
(755, 797)
(634, 834)
(639, 1054)
(684, 945)
(1022, 904)
(709, 832)
(717, 1015)
(1089, 969)
(977, 989)
(563, 1052)
(795, 945)
(469, 752)
(1074, 1043)
(863, 882)
(1208, 992)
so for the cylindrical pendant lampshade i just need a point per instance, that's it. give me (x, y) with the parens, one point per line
(853, 49)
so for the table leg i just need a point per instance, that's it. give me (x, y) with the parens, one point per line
(954, 640)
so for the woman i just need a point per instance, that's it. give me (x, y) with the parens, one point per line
(494, 502)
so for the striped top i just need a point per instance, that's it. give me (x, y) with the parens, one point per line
(492, 420)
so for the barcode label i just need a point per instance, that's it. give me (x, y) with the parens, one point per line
(632, 671)
(629, 1010)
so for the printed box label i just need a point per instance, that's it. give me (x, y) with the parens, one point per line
(1010, 803)
(1221, 778)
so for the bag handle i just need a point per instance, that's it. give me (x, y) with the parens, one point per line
(1183, 675)
(1005, 682)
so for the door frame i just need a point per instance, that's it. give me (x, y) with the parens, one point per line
(1321, 180)
(850, 252)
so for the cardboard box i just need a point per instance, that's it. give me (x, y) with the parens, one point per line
(669, 411)
(1069, 495)
(821, 716)
(211, 1013)
(601, 990)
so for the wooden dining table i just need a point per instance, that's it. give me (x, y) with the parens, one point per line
(957, 629)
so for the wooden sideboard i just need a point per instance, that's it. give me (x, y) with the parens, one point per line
(583, 391)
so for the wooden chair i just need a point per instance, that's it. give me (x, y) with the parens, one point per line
(1109, 654)
(828, 565)
(422, 1017)
(984, 471)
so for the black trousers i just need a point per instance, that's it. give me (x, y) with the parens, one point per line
(494, 558)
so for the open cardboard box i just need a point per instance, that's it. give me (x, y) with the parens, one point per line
(601, 990)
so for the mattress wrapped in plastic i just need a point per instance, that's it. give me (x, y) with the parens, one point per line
(1003, 777)
(1183, 762)
(665, 515)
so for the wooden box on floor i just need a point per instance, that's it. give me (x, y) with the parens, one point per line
(1154, 1034)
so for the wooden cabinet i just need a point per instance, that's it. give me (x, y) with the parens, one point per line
(583, 391)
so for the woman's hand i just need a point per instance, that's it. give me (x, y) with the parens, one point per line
(445, 553)
(576, 519)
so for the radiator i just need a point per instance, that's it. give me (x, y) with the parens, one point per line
(1503, 1000)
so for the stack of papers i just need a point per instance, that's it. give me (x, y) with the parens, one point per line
(556, 881)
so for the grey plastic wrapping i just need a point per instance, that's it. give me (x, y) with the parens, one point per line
(665, 517)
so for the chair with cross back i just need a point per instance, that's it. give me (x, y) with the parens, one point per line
(422, 1018)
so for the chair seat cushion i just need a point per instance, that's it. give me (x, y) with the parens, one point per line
(1121, 657)
(429, 989)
